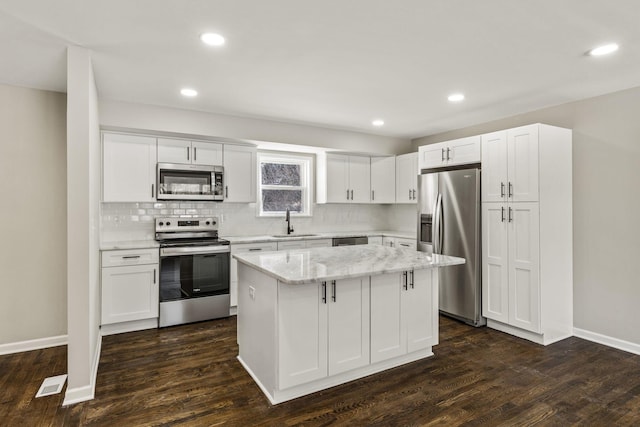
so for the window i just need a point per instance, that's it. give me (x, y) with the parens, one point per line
(284, 181)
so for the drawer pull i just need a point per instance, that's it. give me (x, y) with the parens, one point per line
(131, 257)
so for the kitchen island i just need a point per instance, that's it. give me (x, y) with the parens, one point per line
(310, 319)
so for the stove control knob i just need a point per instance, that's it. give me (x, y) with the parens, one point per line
(213, 223)
(161, 223)
(207, 223)
(168, 223)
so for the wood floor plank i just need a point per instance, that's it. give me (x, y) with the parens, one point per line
(189, 376)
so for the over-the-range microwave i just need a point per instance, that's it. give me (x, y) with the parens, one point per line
(190, 182)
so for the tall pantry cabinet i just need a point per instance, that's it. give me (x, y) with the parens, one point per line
(527, 256)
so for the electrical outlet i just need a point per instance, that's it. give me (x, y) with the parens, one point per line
(252, 292)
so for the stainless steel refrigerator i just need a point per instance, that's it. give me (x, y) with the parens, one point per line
(449, 223)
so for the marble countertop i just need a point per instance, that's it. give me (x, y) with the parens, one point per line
(128, 244)
(316, 236)
(311, 265)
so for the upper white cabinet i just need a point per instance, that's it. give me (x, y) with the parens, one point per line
(239, 173)
(407, 178)
(450, 153)
(527, 254)
(343, 178)
(184, 151)
(129, 168)
(510, 165)
(383, 179)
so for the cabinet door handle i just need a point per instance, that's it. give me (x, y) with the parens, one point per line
(347, 194)
(411, 273)
(195, 154)
(502, 189)
(409, 194)
(414, 194)
(226, 191)
(188, 153)
(448, 151)
(373, 195)
(442, 155)
(510, 214)
(502, 214)
(152, 190)
(324, 292)
(510, 189)
(154, 276)
(131, 257)
(351, 194)
(333, 290)
(404, 277)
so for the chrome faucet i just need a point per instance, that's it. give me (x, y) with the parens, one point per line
(288, 219)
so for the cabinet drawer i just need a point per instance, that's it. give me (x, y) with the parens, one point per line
(122, 257)
(405, 243)
(292, 244)
(254, 247)
(319, 243)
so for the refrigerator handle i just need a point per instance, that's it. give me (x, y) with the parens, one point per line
(437, 225)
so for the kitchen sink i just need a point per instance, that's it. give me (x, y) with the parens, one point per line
(293, 235)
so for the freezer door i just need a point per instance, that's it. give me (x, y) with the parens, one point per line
(427, 194)
(459, 235)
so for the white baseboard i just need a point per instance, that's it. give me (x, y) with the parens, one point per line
(132, 326)
(607, 340)
(88, 392)
(37, 344)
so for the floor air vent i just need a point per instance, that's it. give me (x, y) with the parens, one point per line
(52, 385)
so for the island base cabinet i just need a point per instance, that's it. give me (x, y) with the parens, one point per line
(403, 317)
(323, 329)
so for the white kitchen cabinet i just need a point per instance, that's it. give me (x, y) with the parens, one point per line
(323, 329)
(129, 285)
(407, 178)
(128, 168)
(389, 241)
(511, 283)
(343, 179)
(450, 153)
(185, 151)
(527, 255)
(239, 173)
(402, 316)
(233, 274)
(383, 179)
(510, 165)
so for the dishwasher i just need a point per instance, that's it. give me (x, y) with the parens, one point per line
(350, 241)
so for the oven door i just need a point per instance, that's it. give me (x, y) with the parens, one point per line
(190, 182)
(192, 272)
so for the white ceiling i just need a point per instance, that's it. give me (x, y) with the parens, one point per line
(332, 63)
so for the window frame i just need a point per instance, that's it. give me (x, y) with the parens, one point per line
(306, 161)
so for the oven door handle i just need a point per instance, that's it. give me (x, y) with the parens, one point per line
(196, 250)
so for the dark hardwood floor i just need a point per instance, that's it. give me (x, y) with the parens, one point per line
(188, 376)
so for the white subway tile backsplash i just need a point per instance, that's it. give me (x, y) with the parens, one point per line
(135, 221)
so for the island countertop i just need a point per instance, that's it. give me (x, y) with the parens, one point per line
(301, 266)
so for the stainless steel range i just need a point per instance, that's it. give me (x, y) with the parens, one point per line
(194, 270)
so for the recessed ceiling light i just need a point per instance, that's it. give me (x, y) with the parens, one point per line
(212, 39)
(604, 49)
(456, 97)
(189, 92)
(378, 122)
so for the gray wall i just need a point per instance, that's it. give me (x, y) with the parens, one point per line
(606, 205)
(33, 225)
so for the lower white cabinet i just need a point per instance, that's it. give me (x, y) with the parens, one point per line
(402, 316)
(399, 242)
(304, 244)
(129, 285)
(374, 240)
(323, 329)
(239, 248)
(511, 264)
